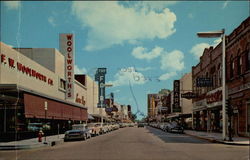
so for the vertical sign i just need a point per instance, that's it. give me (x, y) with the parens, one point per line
(100, 77)
(67, 49)
(176, 104)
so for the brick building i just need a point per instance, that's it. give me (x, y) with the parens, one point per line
(238, 76)
(207, 107)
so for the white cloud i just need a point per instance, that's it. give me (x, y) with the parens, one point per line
(216, 42)
(142, 53)
(166, 76)
(51, 20)
(143, 69)
(80, 70)
(151, 5)
(111, 23)
(225, 4)
(123, 77)
(172, 61)
(198, 49)
(12, 4)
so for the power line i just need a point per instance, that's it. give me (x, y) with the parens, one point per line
(138, 111)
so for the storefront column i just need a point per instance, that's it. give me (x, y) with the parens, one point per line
(208, 120)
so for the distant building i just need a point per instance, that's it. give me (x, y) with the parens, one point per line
(158, 106)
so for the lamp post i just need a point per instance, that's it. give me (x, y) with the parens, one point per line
(45, 109)
(214, 34)
(102, 85)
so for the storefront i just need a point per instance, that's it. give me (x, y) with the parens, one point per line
(214, 110)
(33, 91)
(200, 115)
(241, 109)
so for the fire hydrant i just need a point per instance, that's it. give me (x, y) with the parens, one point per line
(40, 136)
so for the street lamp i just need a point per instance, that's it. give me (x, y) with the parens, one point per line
(45, 109)
(214, 34)
(102, 85)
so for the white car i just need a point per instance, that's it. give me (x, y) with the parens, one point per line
(79, 131)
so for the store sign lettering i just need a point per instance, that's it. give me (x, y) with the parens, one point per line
(176, 105)
(25, 69)
(80, 100)
(214, 97)
(67, 48)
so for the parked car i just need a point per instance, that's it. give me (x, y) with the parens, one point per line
(105, 128)
(174, 127)
(122, 125)
(140, 125)
(131, 124)
(95, 128)
(79, 131)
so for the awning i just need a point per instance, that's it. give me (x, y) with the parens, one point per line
(96, 115)
(34, 107)
(90, 117)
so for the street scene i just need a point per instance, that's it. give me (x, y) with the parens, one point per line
(124, 80)
(135, 143)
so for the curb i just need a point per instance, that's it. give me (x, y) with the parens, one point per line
(212, 140)
(21, 147)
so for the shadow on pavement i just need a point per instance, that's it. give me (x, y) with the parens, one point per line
(174, 137)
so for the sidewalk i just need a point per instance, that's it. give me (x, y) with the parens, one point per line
(32, 143)
(217, 138)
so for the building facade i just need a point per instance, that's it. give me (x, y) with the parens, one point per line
(207, 84)
(33, 90)
(238, 77)
(159, 106)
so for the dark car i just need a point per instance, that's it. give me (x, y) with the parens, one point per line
(140, 125)
(174, 127)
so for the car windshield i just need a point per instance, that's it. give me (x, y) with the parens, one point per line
(78, 127)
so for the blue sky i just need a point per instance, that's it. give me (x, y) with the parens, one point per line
(148, 44)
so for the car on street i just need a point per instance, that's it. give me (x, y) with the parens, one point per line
(140, 125)
(95, 128)
(79, 131)
(174, 127)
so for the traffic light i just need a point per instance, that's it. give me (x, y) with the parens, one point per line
(229, 108)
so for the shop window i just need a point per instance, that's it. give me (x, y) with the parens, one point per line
(239, 65)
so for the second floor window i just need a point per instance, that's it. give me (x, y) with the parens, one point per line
(248, 60)
(239, 65)
(231, 68)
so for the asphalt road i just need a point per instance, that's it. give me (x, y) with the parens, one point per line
(134, 144)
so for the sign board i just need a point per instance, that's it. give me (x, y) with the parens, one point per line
(108, 109)
(67, 49)
(188, 95)
(176, 103)
(45, 105)
(102, 71)
(204, 82)
(100, 77)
